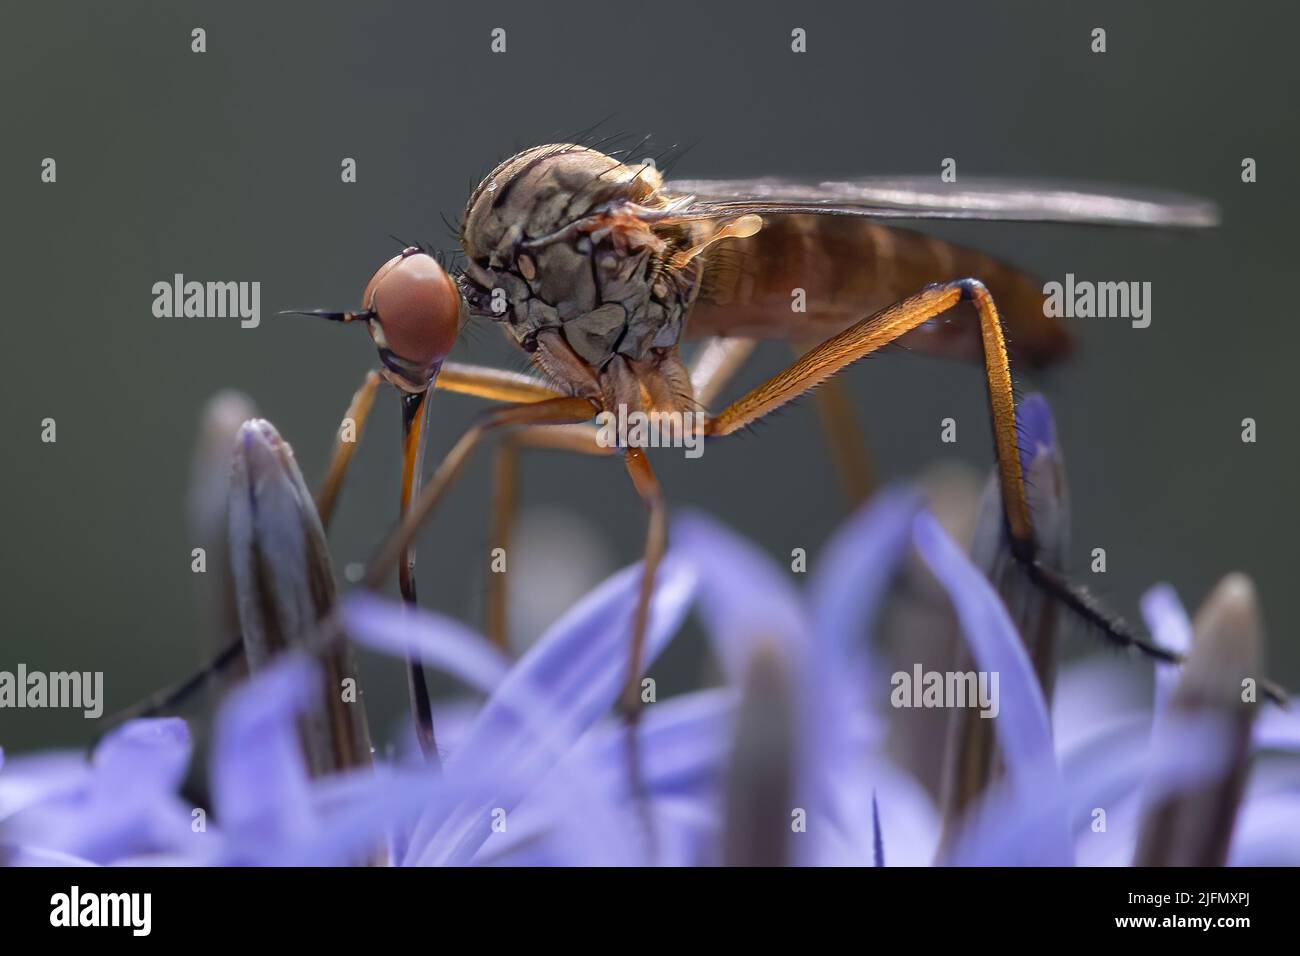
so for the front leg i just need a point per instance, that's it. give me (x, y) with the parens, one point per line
(552, 411)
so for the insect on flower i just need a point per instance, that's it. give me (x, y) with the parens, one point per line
(600, 271)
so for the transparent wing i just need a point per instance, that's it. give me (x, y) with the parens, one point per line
(921, 197)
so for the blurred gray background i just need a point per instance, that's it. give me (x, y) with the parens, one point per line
(225, 166)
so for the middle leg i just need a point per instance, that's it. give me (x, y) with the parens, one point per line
(505, 492)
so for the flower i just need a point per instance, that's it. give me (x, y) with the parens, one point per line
(60, 809)
(788, 761)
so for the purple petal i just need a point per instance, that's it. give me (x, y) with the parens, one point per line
(1266, 832)
(34, 778)
(1116, 764)
(579, 664)
(1094, 693)
(357, 813)
(120, 804)
(1022, 726)
(259, 776)
(568, 820)
(347, 819)
(1119, 743)
(748, 602)
(747, 598)
(438, 641)
(566, 681)
(744, 596)
(14, 856)
(1277, 729)
(1170, 628)
(584, 829)
(909, 822)
(1008, 826)
(684, 744)
(857, 566)
(1168, 767)
(574, 672)
(1023, 732)
(142, 754)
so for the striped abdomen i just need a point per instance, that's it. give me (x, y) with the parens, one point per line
(849, 268)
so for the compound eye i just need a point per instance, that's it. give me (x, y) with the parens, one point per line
(417, 308)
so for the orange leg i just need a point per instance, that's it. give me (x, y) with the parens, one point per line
(554, 411)
(505, 491)
(399, 549)
(848, 445)
(719, 359)
(551, 411)
(477, 380)
(630, 703)
(358, 412)
(502, 386)
(876, 331)
(505, 477)
(656, 542)
(485, 382)
(860, 340)
(492, 383)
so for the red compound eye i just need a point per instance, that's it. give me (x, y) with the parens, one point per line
(415, 307)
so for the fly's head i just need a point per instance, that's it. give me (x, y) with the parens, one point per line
(571, 251)
(413, 314)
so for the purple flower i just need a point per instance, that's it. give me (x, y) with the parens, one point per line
(789, 760)
(120, 804)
